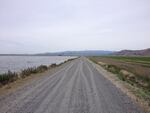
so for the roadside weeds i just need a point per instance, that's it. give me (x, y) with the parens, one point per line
(10, 77)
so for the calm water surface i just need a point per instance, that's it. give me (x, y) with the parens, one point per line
(17, 63)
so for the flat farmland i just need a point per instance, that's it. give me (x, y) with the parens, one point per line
(137, 65)
(135, 71)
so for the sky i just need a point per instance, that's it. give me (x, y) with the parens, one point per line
(37, 26)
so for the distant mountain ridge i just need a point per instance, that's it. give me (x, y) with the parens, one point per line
(66, 53)
(144, 52)
(78, 53)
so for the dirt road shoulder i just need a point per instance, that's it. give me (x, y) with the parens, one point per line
(20, 83)
(124, 87)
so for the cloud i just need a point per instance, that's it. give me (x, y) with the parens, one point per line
(42, 25)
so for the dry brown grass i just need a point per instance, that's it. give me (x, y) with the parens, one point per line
(133, 67)
(133, 73)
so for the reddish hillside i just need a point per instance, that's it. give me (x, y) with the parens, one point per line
(145, 52)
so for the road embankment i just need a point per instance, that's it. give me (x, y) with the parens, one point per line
(11, 81)
(134, 86)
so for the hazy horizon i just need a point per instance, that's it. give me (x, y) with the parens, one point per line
(39, 26)
(46, 52)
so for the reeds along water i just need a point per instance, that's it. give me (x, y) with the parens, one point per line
(12, 76)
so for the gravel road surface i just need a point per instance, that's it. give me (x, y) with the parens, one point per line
(76, 88)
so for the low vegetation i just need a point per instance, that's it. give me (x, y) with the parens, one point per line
(144, 61)
(53, 65)
(9, 77)
(13, 76)
(131, 70)
(33, 70)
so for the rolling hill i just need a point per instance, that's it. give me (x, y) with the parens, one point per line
(78, 53)
(144, 52)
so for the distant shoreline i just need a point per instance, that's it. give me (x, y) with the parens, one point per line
(29, 55)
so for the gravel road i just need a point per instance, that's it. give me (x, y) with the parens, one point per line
(76, 88)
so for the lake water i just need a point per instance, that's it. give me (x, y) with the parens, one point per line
(17, 63)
